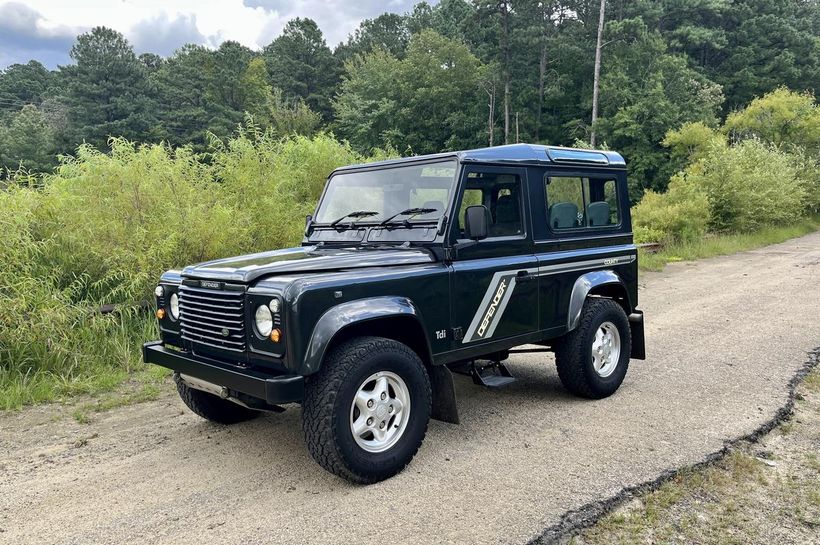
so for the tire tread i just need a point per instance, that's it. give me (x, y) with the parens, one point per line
(571, 350)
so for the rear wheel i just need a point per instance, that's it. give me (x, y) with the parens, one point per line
(365, 414)
(593, 358)
(213, 408)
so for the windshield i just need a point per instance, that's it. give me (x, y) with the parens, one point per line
(413, 193)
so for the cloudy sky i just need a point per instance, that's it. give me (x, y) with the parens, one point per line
(45, 29)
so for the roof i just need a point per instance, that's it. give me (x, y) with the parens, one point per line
(516, 154)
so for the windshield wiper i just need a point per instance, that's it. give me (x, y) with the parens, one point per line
(410, 212)
(356, 214)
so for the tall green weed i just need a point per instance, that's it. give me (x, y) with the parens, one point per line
(104, 226)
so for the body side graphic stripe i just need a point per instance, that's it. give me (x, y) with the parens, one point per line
(509, 276)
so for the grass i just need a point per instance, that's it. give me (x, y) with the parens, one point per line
(758, 493)
(650, 520)
(101, 357)
(143, 387)
(723, 244)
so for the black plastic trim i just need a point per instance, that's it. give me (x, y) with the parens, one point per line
(638, 340)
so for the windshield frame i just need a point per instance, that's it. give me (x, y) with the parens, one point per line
(367, 223)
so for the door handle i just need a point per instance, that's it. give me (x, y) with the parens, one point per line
(523, 276)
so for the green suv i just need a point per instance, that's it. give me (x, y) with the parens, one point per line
(411, 270)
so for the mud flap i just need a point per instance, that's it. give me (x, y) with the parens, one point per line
(444, 395)
(638, 341)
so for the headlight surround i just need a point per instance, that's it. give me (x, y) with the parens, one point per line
(263, 320)
(173, 306)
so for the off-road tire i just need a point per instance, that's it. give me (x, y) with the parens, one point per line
(573, 356)
(213, 408)
(327, 404)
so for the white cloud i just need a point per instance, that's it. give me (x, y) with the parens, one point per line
(336, 18)
(161, 26)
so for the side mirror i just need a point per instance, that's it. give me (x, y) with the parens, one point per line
(477, 222)
(308, 224)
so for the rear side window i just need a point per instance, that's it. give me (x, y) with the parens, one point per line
(581, 203)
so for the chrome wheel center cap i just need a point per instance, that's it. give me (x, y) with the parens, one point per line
(379, 412)
(606, 349)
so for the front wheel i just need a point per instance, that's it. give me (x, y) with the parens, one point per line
(593, 358)
(365, 414)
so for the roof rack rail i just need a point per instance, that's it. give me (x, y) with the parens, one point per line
(567, 155)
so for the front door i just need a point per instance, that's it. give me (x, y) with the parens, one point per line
(494, 282)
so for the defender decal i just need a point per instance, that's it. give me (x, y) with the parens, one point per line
(492, 306)
(499, 295)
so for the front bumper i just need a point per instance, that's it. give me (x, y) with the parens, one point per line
(273, 389)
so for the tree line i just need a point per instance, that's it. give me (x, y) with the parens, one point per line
(455, 75)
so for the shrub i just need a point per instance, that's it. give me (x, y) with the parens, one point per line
(49, 343)
(749, 186)
(692, 142)
(102, 228)
(782, 117)
(117, 220)
(679, 215)
(272, 183)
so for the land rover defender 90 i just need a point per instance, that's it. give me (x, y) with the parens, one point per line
(410, 270)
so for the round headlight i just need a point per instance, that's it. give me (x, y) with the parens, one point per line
(274, 305)
(264, 320)
(173, 306)
(158, 291)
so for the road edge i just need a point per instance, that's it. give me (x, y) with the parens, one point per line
(587, 515)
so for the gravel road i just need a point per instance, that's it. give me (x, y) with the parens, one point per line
(724, 336)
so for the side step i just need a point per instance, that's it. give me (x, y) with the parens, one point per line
(492, 375)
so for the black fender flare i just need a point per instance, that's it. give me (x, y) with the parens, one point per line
(343, 315)
(584, 285)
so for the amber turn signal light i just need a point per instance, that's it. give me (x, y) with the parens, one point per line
(160, 313)
(275, 335)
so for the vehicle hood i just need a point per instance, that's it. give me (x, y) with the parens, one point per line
(248, 268)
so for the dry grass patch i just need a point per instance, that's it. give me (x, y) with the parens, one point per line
(765, 492)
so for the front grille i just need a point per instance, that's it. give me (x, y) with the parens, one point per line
(213, 318)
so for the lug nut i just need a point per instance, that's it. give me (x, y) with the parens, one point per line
(381, 425)
(384, 395)
(369, 421)
(390, 408)
(369, 403)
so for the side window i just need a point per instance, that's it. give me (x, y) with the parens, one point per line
(501, 194)
(565, 198)
(574, 202)
(602, 203)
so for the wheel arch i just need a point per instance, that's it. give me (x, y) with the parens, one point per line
(391, 317)
(603, 283)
